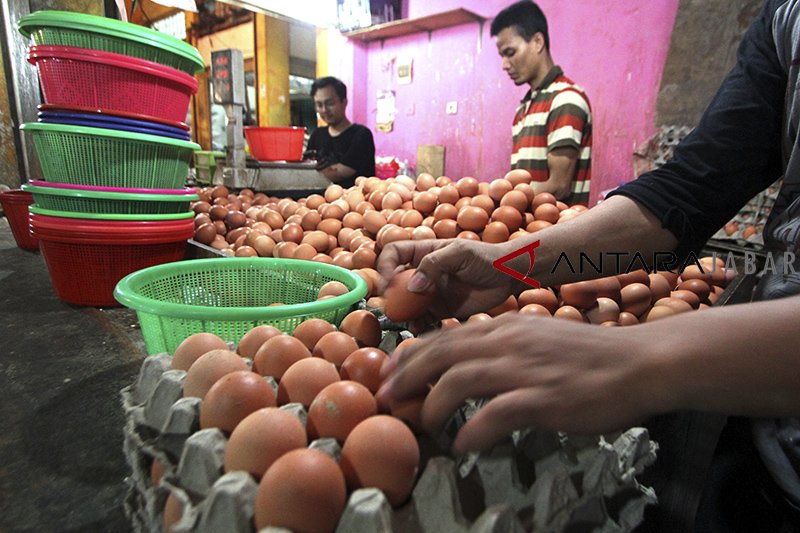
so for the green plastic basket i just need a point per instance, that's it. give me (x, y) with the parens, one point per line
(64, 28)
(230, 296)
(110, 158)
(38, 210)
(85, 201)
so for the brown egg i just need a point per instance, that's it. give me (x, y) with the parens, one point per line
(581, 294)
(636, 276)
(254, 339)
(411, 219)
(331, 226)
(694, 272)
(517, 176)
(381, 452)
(261, 438)
(277, 354)
(363, 326)
(232, 398)
(422, 233)
(627, 319)
(193, 347)
(635, 298)
(678, 305)
(544, 297)
(534, 309)
(467, 186)
(687, 296)
(697, 286)
(515, 199)
(364, 366)
(483, 201)
(472, 218)
(304, 252)
(499, 188)
(425, 202)
(462, 203)
(302, 491)
(671, 277)
(208, 368)
(335, 347)
(364, 258)
(537, 225)
(445, 211)
(376, 302)
(206, 233)
(317, 239)
(547, 212)
(605, 310)
(285, 250)
(542, 198)
(448, 194)
(479, 317)
(659, 287)
(446, 229)
(659, 311)
(292, 233)
(495, 232)
(339, 408)
(570, 313)
(508, 216)
(333, 288)
(469, 235)
(403, 305)
(305, 379)
(449, 323)
(608, 287)
(312, 330)
(393, 234)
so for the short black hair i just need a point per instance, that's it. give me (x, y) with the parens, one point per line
(329, 81)
(525, 17)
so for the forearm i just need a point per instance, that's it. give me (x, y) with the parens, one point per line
(615, 230)
(337, 172)
(739, 360)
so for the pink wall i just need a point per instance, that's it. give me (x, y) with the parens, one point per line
(614, 48)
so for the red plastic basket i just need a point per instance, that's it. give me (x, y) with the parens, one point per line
(87, 258)
(15, 205)
(82, 77)
(275, 144)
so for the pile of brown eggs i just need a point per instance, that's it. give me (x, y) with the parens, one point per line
(334, 373)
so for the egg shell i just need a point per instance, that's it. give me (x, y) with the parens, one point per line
(305, 379)
(192, 347)
(403, 305)
(232, 398)
(338, 408)
(208, 368)
(261, 438)
(312, 330)
(541, 296)
(363, 326)
(277, 354)
(381, 452)
(604, 310)
(364, 366)
(635, 298)
(581, 294)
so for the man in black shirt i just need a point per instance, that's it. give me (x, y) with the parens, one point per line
(343, 150)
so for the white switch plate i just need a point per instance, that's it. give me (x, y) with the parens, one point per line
(451, 108)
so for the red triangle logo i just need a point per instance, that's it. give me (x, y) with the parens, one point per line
(499, 264)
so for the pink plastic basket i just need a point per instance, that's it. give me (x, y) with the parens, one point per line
(82, 77)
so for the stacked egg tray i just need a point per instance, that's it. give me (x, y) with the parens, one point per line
(534, 480)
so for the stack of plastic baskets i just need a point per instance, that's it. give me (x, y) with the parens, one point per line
(114, 150)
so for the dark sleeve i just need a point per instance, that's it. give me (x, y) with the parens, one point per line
(360, 155)
(732, 154)
(313, 140)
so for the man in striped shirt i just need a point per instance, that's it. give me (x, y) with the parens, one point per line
(552, 129)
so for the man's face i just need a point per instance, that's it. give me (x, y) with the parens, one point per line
(329, 106)
(522, 60)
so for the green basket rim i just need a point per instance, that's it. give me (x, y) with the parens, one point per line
(106, 132)
(113, 28)
(36, 210)
(105, 195)
(125, 293)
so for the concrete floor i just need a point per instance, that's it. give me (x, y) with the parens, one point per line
(61, 369)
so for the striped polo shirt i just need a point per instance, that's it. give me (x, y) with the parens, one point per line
(555, 114)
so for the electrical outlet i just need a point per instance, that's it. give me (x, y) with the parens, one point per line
(451, 108)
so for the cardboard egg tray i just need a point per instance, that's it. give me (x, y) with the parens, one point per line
(755, 213)
(533, 481)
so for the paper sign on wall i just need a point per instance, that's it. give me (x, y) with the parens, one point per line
(404, 70)
(384, 119)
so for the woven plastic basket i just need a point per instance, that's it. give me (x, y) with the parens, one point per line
(110, 158)
(89, 201)
(90, 78)
(64, 28)
(86, 260)
(131, 217)
(15, 205)
(230, 296)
